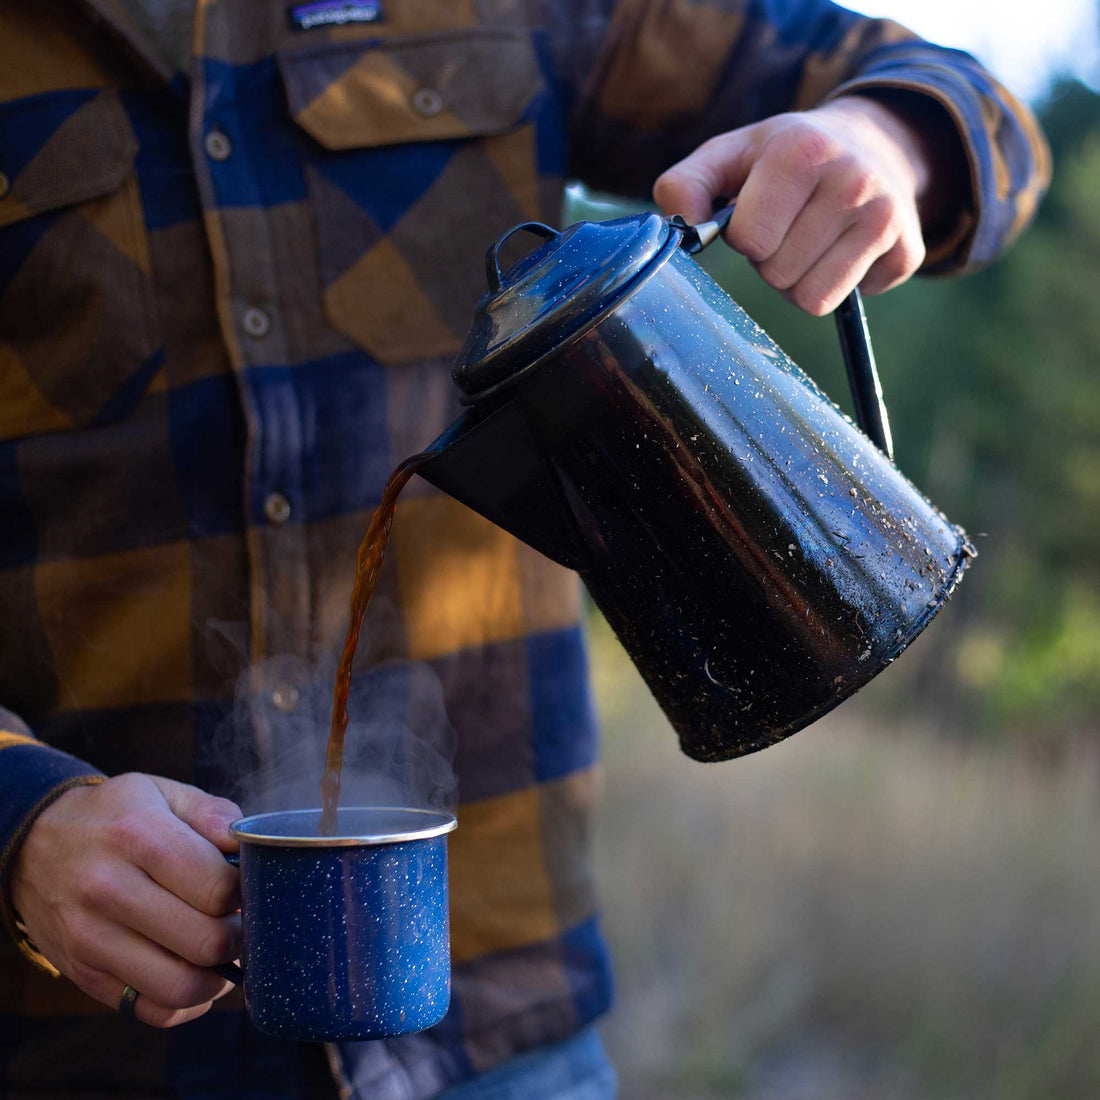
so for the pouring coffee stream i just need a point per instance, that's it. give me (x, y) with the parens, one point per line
(368, 564)
(759, 556)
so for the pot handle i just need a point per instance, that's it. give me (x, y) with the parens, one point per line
(851, 324)
(492, 257)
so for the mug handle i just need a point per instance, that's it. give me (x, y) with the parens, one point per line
(851, 323)
(231, 971)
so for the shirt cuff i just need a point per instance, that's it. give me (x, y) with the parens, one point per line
(32, 775)
(1006, 153)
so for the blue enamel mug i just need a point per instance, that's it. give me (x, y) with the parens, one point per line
(345, 936)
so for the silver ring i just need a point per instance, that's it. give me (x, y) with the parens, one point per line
(127, 1002)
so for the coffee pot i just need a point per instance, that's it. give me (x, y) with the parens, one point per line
(759, 556)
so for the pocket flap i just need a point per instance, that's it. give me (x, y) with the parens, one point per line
(453, 84)
(60, 149)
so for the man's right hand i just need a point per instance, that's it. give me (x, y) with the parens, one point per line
(124, 883)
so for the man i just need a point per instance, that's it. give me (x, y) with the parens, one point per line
(239, 246)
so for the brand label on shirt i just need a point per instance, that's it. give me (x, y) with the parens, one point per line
(334, 13)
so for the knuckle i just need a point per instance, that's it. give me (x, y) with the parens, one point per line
(213, 812)
(774, 275)
(90, 980)
(803, 147)
(215, 947)
(912, 253)
(894, 265)
(128, 833)
(752, 240)
(97, 888)
(812, 300)
(858, 188)
(226, 805)
(665, 186)
(186, 989)
(220, 892)
(880, 218)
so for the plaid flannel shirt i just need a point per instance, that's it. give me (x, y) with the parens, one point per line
(228, 302)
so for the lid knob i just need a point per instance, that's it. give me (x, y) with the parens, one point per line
(492, 257)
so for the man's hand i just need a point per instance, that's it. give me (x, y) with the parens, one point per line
(827, 199)
(124, 884)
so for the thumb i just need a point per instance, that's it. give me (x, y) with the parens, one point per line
(718, 167)
(209, 815)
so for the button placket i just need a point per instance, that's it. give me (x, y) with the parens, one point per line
(231, 170)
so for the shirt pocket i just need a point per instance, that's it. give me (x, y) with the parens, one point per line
(422, 150)
(77, 334)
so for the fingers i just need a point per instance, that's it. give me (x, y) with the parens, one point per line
(107, 989)
(177, 858)
(776, 191)
(837, 203)
(896, 266)
(207, 814)
(104, 948)
(149, 1012)
(825, 199)
(113, 884)
(816, 219)
(873, 253)
(717, 167)
(130, 898)
(165, 979)
(153, 834)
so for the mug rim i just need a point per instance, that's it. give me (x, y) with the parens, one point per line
(437, 823)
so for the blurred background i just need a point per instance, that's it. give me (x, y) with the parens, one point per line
(904, 900)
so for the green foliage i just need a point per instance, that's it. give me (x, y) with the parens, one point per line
(995, 384)
(994, 395)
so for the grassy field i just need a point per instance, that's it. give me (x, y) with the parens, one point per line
(869, 910)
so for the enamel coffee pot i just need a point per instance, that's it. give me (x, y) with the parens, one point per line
(759, 556)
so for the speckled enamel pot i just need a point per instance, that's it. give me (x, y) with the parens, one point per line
(346, 936)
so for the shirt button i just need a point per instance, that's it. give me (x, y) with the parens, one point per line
(277, 508)
(217, 145)
(256, 322)
(5, 185)
(285, 698)
(427, 102)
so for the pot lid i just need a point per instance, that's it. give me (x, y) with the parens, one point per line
(552, 293)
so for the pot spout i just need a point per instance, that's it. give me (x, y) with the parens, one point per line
(492, 464)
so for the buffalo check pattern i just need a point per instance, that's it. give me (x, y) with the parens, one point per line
(229, 298)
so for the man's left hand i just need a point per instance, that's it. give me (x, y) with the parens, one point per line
(827, 199)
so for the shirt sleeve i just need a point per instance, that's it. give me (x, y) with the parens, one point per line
(32, 775)
(652, 79)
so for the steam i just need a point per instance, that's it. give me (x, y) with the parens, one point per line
(399, 749)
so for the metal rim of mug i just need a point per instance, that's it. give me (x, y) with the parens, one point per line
(443, 824)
